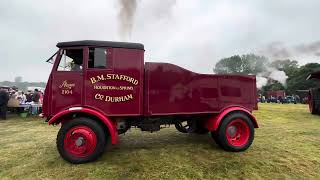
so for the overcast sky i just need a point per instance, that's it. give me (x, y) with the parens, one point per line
(189, 33)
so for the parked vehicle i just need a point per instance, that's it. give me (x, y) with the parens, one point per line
(100, 89)
(290, 99)
(276, 94)
(272, 100)
(314, 95)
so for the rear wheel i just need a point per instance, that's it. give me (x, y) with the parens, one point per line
(81, 140)
(236, 132)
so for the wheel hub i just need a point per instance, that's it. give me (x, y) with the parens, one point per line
(232, 131)
(79, 141)
(237, 133)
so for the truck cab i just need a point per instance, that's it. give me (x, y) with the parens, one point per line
(84, 69)
(100, 89)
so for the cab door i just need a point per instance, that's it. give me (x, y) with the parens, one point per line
(67, 80)
(114, 81)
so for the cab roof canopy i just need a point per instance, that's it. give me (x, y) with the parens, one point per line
(126, 45)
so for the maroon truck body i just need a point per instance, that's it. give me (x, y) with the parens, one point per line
(129, 92)
(161, 89)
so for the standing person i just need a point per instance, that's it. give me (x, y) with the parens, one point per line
(29, 96)
(35, 99)
(41, 97)
(24, 98)
(4, 98)
(21, 97)
(40, 102)
(36, 96)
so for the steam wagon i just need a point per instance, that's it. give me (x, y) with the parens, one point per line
(100, 89)
(314, 95)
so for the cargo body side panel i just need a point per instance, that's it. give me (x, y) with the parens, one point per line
(170, 89)
(237, 90)
(117, 90)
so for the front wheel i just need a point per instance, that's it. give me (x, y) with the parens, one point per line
(236, 133)
(81, 140)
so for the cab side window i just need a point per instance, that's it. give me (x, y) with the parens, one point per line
(71, 60)
(98, 58)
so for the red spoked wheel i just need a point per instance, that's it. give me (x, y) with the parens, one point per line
(235, 133)
(80, 141)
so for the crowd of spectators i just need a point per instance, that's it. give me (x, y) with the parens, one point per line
(19, 100)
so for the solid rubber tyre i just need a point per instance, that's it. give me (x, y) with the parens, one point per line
(89, 127)
(244, 132)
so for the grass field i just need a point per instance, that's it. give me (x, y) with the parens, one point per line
(286, 146)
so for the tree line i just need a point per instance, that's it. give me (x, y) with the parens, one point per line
(22, 85)
(262, 66)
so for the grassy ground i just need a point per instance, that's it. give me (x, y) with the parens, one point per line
(287, 146)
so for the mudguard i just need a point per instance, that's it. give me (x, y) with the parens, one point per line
(213, 123)
(58, 118)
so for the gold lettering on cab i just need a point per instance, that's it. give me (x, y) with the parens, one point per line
(121, 77)
(67, 88)
(116, 77)
(125, 98)
(120, 88)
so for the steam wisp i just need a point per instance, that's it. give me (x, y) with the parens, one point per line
(279, 76)
(280, 50)
(261, 81)
(271, 73)
(157, 11)
(126, 16)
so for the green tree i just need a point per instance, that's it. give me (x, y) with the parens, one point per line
(297, 80)
(290, 67)
(245, 64)
(253, 64)
(231, 65)
(271, 86)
